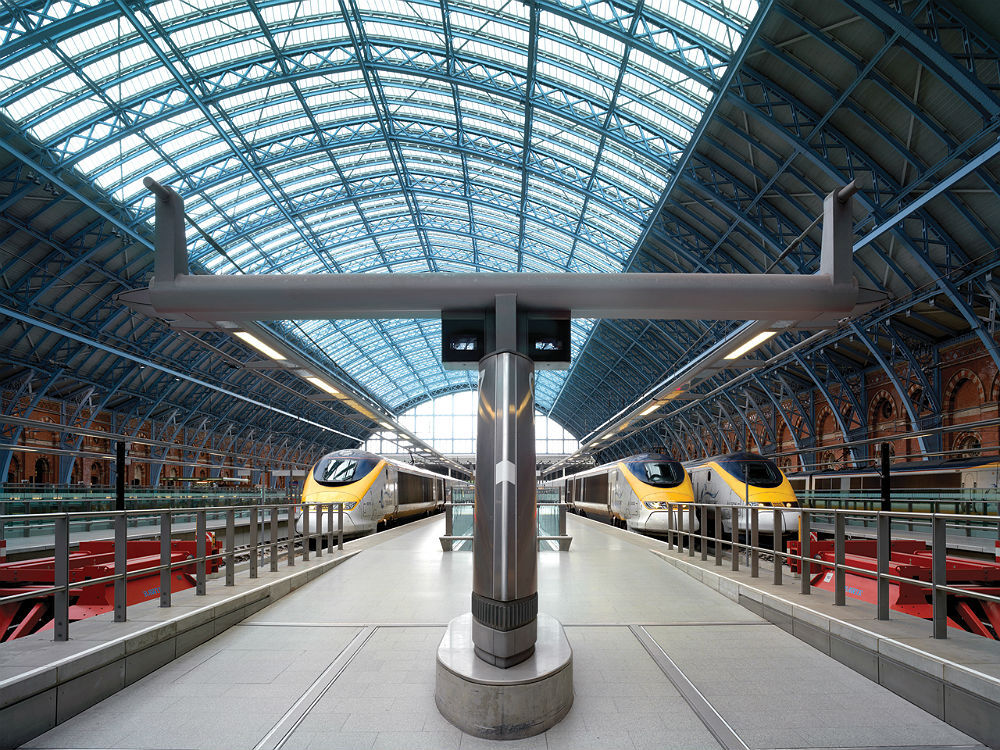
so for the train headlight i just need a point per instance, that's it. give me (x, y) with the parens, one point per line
(655, 504)
(350, 506)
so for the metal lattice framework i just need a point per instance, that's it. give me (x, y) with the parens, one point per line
(399, 137)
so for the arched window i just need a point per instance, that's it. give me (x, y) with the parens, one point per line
(42, 471)
(448, 424)
(969, 444)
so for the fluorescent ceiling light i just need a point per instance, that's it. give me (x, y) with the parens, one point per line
(259, 345)
(323, 385)
(650, 410)
(756, 341)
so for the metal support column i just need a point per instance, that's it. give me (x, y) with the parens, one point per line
(505, 547)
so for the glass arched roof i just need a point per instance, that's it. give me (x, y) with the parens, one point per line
(378, 135)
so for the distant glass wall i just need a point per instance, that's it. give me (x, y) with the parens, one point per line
(448, 423)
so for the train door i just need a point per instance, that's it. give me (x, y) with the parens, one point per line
(615, 490)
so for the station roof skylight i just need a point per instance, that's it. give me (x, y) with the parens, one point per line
(378, 136)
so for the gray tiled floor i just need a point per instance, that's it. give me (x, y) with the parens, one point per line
(774, 690)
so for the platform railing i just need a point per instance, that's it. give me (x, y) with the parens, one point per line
(263, 546)
(745, 546)
(551, 524)
(969, 502)
(36, 504)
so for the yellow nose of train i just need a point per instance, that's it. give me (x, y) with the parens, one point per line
(324, 497)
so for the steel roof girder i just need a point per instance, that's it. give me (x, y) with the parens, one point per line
(930, 53)
(890, 373)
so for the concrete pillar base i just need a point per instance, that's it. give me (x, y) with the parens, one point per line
(504, 704)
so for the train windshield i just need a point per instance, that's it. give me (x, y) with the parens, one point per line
(337, 471)
(756, 472)
(658, 473)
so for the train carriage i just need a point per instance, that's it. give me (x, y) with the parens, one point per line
(746, 479)
(374, 491)
(635, 492)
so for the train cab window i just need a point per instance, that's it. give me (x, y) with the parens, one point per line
(658, 473)
(759, 472)
(338, 471)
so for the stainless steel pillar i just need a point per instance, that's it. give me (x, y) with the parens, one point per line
(505, 556)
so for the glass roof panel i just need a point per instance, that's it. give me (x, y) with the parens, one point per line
(384, 136)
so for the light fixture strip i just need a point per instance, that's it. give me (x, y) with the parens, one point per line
(753, 343)
(260, 346)
(323, 385)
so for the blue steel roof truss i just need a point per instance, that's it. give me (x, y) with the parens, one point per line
(403, 107)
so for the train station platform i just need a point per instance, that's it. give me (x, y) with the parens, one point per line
(665, 656)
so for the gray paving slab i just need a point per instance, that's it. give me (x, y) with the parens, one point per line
(348, 661)
(771, 688)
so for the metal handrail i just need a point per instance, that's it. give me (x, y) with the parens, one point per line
(883, 520)
(61, 588)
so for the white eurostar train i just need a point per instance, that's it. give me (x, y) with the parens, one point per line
(375, 491)
(633, 493)
(745, 479)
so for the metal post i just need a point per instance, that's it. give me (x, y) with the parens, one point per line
(670, 526)
(690, 531)
(734, 533)
(318, 534)
(254, 541)
(754, 541)
(121, 565)
(340, 526)
(120, 475)
(329, 528)
(839, 575)
(777, 531)
(883, 558)
(306, 536)
(562, 518)
(939, 577)
(718, 537)
(231, 547)
(805, 585)
(201, 531)
(165, 557)
(274, 539)
(703, 536)
(884, 538)
(885, 483)
(291, 536)
(60, 614)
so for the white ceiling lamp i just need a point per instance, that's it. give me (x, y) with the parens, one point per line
(753, 343)
(323, 385)
(260, 346)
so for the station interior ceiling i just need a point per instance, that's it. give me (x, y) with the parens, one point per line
(368, 136)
